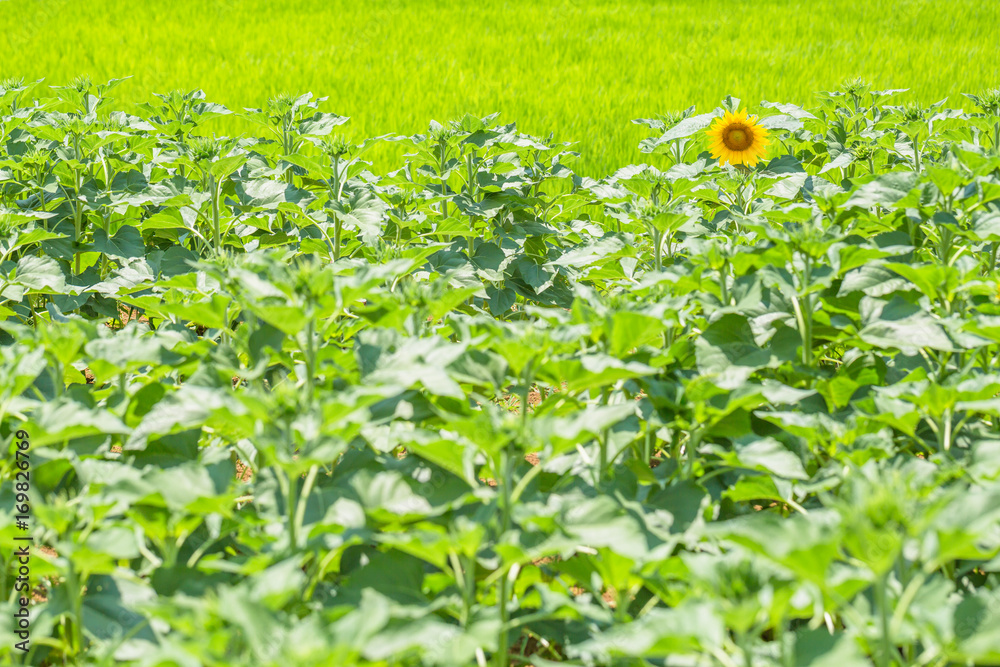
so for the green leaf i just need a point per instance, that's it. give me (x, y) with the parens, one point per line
(933, 280)
(976, 629)
(39, 275)
(765, 454)
(321, 124)
(223, 167)
(760, 487)
(727, 342)
(265, 194)
(630, 330)
(211, 312)
(64, 419)
(904, 327)
(689, 629)
(34, 236)
(362, 212)
(884, 190)
(125, 244)
(819, 648)
(500, 299)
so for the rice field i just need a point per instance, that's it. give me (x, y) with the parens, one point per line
(583, 69)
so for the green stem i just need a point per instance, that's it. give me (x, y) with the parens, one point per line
(884, 655)
(946, 431)
(744, 645)
(529, 377)
(337, 228)
(216, 225)
(292, 502)
(787, 655)
(77, 220)
(461, 580)
(470, 169)
(73, 581)
(657, 242)
(288, 145)
(943, 366)
(690, 451)
(909, 593)
(444, 185)
(603, 462)
(106, 220)
(337, 187)
(503, 651)
(807, 342)
(77, 211)
(723, 285)
(505, 473)
(329, 242)
(335, 191)
(309, 352)
(319, 570)
(303, 500)
(803, 312)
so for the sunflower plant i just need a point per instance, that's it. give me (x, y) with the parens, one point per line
(738, 138)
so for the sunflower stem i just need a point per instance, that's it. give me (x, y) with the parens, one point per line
(444, 184)
(658, 242)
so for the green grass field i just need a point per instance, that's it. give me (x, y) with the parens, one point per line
(584, 69)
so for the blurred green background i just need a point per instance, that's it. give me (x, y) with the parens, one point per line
(582, 69)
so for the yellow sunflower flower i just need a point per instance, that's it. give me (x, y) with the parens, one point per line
(737, 139)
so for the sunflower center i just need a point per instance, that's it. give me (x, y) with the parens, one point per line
(737, 138)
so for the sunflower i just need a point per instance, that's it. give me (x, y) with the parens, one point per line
(737, 139)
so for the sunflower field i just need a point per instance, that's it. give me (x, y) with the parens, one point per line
(580, 68)
(263, 403)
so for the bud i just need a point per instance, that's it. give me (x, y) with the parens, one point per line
(856, 87)
(988, 101)
(280, 105)
(862, 150)
(82, 84)
(912, 112)
(203, 149)
(10, 84)
(336, 147)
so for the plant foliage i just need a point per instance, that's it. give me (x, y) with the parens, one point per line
(482, 410)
